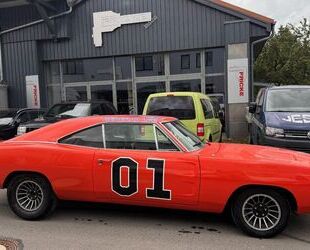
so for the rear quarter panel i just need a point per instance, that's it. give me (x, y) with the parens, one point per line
(68, 168)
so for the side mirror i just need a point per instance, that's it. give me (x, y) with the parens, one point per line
(252, 107)
(18, 121)
(221, 114)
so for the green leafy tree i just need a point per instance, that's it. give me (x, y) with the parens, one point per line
(285, 58)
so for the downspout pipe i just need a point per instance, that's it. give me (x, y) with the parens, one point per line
(253, 59)
(67, 12)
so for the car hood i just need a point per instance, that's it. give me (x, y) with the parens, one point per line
(253, 153)
(288, 120)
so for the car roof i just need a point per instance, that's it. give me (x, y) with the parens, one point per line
(290, 87)
(61, 129)
(20, 110)
(192, 94)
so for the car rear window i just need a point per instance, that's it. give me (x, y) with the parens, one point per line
(181, 107)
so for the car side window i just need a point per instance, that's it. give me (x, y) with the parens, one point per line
(164, 143)
(91, 137)
(24, 117)
(130, 136)
(207, 108)
(35, 114)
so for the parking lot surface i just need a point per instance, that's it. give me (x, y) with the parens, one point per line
(100, 226)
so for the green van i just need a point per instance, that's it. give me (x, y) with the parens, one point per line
(194, 110)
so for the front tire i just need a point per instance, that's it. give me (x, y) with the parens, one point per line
(261, 213)
(30, 197)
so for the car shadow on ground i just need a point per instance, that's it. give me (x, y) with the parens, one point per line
(189, 222)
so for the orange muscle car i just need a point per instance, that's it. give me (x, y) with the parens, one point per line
(153, 161)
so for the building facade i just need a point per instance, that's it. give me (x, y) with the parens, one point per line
(124, 50)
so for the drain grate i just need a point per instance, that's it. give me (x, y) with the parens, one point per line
(10, 244)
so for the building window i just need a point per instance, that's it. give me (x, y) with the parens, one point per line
(123, 68)
(209, 58)
(215, 84)
(198, 60)
(186, 86)
(144, 63)
(185, 62)
(73, 67)
(150, 65)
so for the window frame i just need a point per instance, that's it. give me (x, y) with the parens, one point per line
(209, 58)
(155, 126)
(143, 61)
(183, 65)
(157, 142)
(80, 131)
(208, 103)
(198, 60)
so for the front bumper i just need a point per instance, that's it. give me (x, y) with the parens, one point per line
(293, 144)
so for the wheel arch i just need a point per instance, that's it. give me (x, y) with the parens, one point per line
(17, 173)
(286, 193)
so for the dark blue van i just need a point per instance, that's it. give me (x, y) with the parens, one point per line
(281, 117)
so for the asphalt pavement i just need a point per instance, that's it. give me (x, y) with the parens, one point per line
(102, 226)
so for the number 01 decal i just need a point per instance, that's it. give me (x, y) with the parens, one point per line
(157, 166)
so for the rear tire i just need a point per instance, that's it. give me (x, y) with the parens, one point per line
(30, 197)
(261, 213)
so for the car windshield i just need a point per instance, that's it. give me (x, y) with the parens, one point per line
(181, 107)
(68, 110)
(79, 110)
(7, 117)
(288, 100)
(187, 138)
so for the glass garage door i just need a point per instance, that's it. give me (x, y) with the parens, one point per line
(143, 91)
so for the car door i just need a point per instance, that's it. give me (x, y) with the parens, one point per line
(74, 159)
(133, 169)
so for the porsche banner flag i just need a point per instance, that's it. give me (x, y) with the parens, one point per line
(238, 80)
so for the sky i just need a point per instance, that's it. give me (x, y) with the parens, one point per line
(283, 11)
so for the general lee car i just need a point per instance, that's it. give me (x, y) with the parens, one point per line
(153, 161)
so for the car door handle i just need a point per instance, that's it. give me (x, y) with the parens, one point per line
(101, 162)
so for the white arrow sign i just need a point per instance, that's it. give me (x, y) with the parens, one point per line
(108, 21)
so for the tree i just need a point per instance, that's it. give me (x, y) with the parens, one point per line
(285, 58)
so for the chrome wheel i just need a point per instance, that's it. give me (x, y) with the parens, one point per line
(261, 212)
(29, 196)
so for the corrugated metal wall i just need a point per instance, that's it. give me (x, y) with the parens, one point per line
(237, 32)
(180, 25)
(15, 16)
(20, 59)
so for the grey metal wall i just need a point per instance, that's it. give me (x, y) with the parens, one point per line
(15, 16)
(180, 25)
(20, 59)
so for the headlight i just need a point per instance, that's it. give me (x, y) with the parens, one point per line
(21, 130)
(275, 132)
